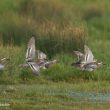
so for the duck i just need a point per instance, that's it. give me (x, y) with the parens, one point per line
(36, 59)
(86, 60)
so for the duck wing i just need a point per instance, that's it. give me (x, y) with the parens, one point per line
(80, 55)
(31, 50)
(88, 55)
(34, 67)
(41, 55)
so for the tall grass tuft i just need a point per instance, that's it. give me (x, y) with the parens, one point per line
(48, 21)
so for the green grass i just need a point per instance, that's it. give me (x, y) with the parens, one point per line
(38, 97)
(62, 71)
(49, 21)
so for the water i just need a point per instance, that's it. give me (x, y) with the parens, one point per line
(83, 96)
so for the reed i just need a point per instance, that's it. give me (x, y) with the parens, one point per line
(47, 20)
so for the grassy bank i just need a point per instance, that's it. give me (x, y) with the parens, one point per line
(39, 96)
(63, 71)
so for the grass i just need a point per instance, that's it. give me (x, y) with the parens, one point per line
(37, 97)
(51, 26)
(59, 26)
(63, 71)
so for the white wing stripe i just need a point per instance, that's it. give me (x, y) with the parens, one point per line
(33, 67)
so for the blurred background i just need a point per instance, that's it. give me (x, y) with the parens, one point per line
(59, 26)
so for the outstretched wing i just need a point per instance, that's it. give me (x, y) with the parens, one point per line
(31, 50)
(88, 55)
(79, 55)
(34, 67)
(41, 55)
